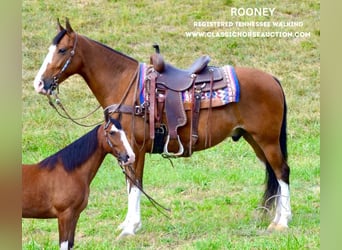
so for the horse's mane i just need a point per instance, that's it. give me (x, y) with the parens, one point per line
(75, 153)
(111, 49)
(58, 37)
(61, 34)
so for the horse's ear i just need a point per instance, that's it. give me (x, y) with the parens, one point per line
(68, 26)
(59, 26)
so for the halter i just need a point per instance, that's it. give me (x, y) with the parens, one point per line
(65, 66)
(107, 139)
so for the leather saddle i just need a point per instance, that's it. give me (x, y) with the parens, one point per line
(182, 79)
(166, 86)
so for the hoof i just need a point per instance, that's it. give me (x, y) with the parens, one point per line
(128, 230)
(125, 235)
(274, 227)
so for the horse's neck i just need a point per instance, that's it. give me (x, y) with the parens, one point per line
(107, 73)
(91, 166)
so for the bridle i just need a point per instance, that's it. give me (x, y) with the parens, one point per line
(54, 84)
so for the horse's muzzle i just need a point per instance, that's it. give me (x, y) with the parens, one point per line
(125, 159)
(45, 87)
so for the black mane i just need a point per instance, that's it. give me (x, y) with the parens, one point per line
(113, 50)
(75, 153)
(58, 37)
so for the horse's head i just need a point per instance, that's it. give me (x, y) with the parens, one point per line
(57, 64)
(117, 143)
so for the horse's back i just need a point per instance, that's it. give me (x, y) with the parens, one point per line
(261, 99)
(259, 86)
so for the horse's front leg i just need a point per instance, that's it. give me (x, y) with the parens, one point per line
(67, 221)
(132, 222)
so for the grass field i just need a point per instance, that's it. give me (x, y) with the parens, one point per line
(214, 195)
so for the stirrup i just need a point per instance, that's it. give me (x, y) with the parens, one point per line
(167, 154)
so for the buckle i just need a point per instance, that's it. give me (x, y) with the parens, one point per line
(138, 110)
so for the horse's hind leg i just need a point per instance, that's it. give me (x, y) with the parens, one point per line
(281, 171)
(277, 176)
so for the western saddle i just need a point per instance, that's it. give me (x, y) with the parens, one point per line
(163, 91)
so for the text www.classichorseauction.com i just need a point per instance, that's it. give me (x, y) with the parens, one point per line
(238, 28)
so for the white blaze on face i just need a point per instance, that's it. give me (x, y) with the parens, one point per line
(124, 140)
(38, 84)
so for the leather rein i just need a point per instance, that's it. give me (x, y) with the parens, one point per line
(66, 114)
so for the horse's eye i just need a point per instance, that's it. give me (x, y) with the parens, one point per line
(62, 51)
(112, 132)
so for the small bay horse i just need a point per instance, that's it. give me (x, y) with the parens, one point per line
(114, 78)
(58, 186)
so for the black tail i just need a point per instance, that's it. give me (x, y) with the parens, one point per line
(272, 185)
(283, 134)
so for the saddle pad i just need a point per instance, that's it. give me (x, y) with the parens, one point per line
(229, 93)
(142, 76)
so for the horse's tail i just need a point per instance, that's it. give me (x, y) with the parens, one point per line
(271, 179)
(283, 133)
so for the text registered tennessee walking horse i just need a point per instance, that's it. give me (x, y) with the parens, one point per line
(58, 186)
(175, 112)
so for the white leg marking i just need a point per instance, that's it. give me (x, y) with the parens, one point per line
(64, 245)
(132, 222)
(283, 209)
(48, 59)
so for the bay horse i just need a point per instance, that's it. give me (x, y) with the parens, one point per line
(58, 186)
(114, 78)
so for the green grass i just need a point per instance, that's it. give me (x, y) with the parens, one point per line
(214, 195)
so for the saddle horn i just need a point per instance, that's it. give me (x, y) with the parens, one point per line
(157, 59)
(156, 47)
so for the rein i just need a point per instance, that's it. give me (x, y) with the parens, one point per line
(155, 203)
(120, 107)
(67, 116)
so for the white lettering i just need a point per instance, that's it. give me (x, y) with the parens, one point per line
(213, 24)
(287, 24)
(252, 11)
